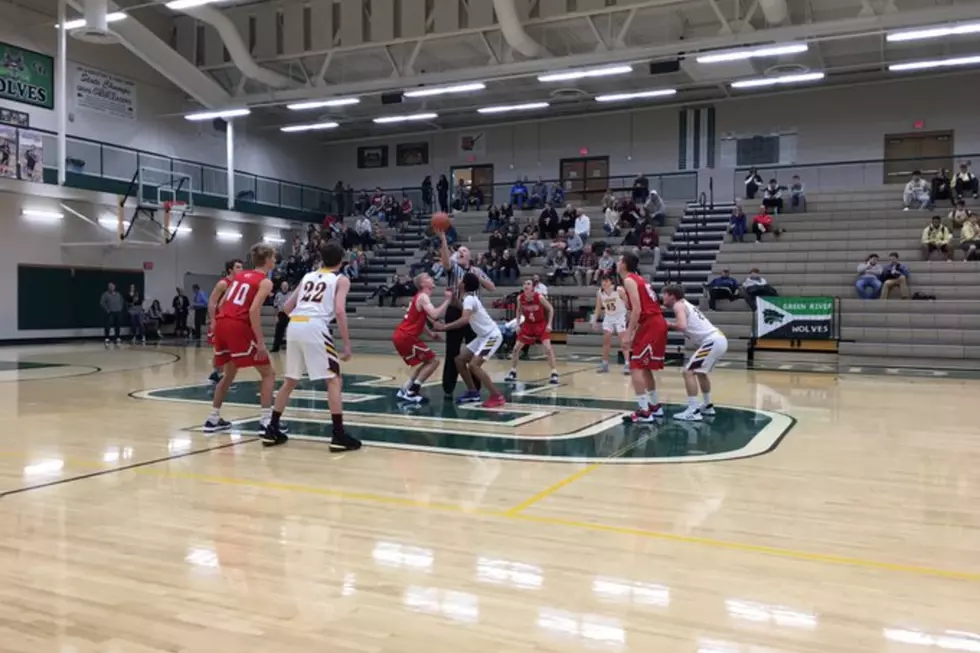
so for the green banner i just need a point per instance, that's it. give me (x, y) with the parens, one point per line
(26, 76)
(795, 318)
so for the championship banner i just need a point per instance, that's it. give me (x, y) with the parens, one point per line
(26, 76)
(794, 318)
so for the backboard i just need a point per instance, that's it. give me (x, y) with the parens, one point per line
(154, 186)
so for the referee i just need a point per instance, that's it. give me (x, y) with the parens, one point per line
(456, 265)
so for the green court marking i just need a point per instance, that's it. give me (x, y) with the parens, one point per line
(441, 425)
(15, 366)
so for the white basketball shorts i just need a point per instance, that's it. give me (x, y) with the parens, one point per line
(486, 346)
(705, 357)
(310, 350)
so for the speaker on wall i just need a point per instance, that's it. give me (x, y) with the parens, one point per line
(665, 67)
(391, 98)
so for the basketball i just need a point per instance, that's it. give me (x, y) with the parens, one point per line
(441, 221)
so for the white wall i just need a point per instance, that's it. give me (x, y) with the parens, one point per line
(160, 105)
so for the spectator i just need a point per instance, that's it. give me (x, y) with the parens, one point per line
(560, 268)
(916, 192)
(182, 306)
(606, 266)
(559, 244)
(474, 197)
(282, 318)
(753, 182)
(755, 286)
(761, 224)
(539, 194)
(970, 239)
(965, 182)
(493, 219)
(530, 246)
(154, 319)
(868, 283)
(583, 225)
(338, 198)
(611, 224)
(134, 304)
(518, 194)
(442, 190)
(585, 270)
(608, 200)
(566, 222)
(656, 209)
(506, 270)
(364, 229)
(941, 188)
(200, 305)
(958, 215)
(548, 222)
(797, 194)
(497, 242)
(558, 195)
(406, 206)
(539, 287)
(896, 274)
(506, 211)
(112, 305)
(772, 197)
(427, 192)
(379, 236)
(574, 247)
(348, 200)
(936, 238)
(650, 245)
(722, 287)
(737, 224)
(641, 189)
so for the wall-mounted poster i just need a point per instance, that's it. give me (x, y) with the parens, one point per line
(8, 152)
(15, 118)
(372, 156)
(31, 157)
(472, 143)
(99, 92)
(26, 76)
(412, 154)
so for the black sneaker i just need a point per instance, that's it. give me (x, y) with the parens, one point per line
(215, 377)
(283, 428)
(215, 426)
(344, 442)
(272, 437)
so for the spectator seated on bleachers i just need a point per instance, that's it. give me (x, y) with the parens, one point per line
(608, 200)
(583, 225)
(559, 268)
(611, 223)
(762, 224)
(896, 275)
(539, 195)
(797, 194)
(461, 195)
(650, 245)
(916, 193)
(557, 246)
(529, 246)
(574, 246)
(557, 195)
(970, 239)
(655, 208)
(936, 237)
(753, 182)
(365, 232)
(737, 224)
(868, 282)
(505, 270)
(401, 286)
(585, 269)
(423, 265)
(772, 197)
(566, 222)
(941, 188)
(958, 216)
(966, 182)
(380, 237)
(497, 242)
(493, 219)
(474, 198)
(605, 267)
(518, 194)
(724, 287)
(754, 286)
(548, 222)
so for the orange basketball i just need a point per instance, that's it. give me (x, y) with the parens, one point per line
(441, 221)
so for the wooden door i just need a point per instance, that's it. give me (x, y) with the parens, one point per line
(482, 178)
(927, 152)
(596, 180)
(573, 179)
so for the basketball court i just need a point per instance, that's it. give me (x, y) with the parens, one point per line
(814, 513)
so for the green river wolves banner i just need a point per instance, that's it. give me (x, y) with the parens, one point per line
(26, 76)
(795, 318)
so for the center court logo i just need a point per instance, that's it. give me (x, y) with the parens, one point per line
(539, 422)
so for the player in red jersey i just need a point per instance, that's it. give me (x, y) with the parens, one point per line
(647, 335)
(535, 315)
(232, 267)
(408, 342)
(238, 339)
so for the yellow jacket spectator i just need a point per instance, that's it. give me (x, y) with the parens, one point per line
(936, 237)
(970, 239)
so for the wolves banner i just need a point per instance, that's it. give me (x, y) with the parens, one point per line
(795, 318)
(26, 76)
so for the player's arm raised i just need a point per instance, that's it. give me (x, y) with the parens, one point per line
(216, 296)
(255, 315)
(549, 312)
(340, 310)
(444, 253)
(633, 295)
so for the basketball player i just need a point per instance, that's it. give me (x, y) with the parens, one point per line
(470, 361)
(647, 335)
(320, 298)
(238, 340)
(538, 314)
(711, 346)
(610, 302)
(232, 267)
(408, 343)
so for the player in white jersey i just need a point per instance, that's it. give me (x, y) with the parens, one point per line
(320, 298)
(488, 339)
(610, 302)
(711, 346)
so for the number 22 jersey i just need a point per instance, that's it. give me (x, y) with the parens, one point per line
(316, 297)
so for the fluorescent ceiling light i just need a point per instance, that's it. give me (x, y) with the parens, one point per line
(934, 32)
(387, 120)
(183, 231)
(112, 223)
(42, 216)
(530, 106)
(641, 95)
(273, 240)
(306, 128)
(935, 63)
(320, 104)
(587, 72)
(211, 115)
(188, 4)
(80, 22)
(443, 90)
(753, 53)
(229, 235)
(774, 81)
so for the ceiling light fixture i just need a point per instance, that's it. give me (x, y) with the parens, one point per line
(320, 104)
(641, 95)
(228, 235)
(114, 17)
(188, 4)
(933, 32)
(305, 128)
(775, 81)
(41, 216)
(269, 239)
(388, 120)
(606, 71)
(530, 106)
(935, 63)
(753, 53)
(444, 90)
(211, 115)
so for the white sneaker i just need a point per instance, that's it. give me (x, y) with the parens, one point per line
(689, 415)
(906, 208)
(603, 368)
(626, 369)
(511, 376)
(706, 409)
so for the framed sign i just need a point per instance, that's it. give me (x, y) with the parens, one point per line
(103, 93)
(372, 156)
(472, 143)
(412, 154)
(26, 76)
(14, 118)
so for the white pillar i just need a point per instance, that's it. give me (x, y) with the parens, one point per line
(61, 94)
(230, 161)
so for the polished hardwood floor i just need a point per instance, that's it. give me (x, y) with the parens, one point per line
(817, 513)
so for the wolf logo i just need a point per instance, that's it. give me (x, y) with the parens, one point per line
(12, 64)
(772, 317)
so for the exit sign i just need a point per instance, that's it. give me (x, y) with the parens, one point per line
(919, 124)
